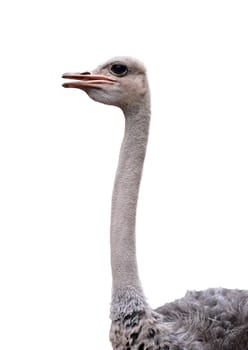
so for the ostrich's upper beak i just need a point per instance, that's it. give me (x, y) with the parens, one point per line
(86, 79)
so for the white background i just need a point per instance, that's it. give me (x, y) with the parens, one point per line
(59, 152)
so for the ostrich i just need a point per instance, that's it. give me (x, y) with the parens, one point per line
(214, 319)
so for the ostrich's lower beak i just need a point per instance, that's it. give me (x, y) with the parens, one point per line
(84, 80)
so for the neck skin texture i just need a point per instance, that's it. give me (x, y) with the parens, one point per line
(127, 293)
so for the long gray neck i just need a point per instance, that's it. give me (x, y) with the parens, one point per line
(127, 294)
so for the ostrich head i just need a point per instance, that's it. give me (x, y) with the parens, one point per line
(120, 82)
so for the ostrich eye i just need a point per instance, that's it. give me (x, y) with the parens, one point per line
(119, 69)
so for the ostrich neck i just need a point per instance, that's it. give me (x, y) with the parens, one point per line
(125, 277)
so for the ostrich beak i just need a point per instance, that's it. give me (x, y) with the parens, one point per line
(86, 79)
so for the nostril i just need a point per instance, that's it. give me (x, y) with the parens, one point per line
(85, 73)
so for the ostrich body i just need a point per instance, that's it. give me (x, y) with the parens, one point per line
(214, 319)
